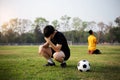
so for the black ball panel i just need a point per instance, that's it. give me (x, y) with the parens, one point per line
(84, 66)
(84, 60)
(80, 70)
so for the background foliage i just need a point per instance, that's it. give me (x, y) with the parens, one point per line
(25, 31)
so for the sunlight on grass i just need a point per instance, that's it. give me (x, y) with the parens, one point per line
(24, 63)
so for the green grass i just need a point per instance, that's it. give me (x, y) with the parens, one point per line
(24, 63)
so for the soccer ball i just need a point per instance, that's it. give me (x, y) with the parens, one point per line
(83, 66)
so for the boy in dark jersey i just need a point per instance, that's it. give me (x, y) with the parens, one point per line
(55, 47)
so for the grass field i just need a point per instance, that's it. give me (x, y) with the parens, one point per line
(24, 63)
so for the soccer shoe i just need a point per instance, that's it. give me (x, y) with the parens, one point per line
(50, 64)
(63, 65)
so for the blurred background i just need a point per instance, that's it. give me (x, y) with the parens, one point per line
(22, 21)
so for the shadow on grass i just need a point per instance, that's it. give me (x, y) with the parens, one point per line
(107, 72)
(97, 72)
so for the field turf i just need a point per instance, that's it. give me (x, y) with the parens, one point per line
(24, 63)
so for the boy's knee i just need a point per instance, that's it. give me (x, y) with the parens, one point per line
(55, 55)
(59, 56)
(40, 49)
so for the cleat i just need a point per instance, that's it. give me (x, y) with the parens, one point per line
(50, 64)
(63, 65)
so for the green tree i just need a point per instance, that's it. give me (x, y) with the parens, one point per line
(77, 23)
(14, 29)
(114, 34)
(101, 31)
(108, 27)
(117, 20)
(39, 38)
(91, 25)
(28, 38)
(23, 26)
(4, 28)
(42, 22)
(56, 24)
(1, 37)
(39, 24)
(84, 25)
(65, 22)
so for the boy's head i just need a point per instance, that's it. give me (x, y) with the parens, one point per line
(48, 30)
(90, 32)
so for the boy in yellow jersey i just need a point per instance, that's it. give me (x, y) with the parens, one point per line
(92, 41)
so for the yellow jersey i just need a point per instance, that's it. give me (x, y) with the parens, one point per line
(92, 42)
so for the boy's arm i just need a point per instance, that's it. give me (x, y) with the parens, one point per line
(56, 48)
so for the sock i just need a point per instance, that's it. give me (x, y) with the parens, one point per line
(64, 62)
(50, 60)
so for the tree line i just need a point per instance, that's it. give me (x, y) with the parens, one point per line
(76, 30)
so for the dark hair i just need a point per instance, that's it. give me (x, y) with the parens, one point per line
(48, 30)
(90, 32)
